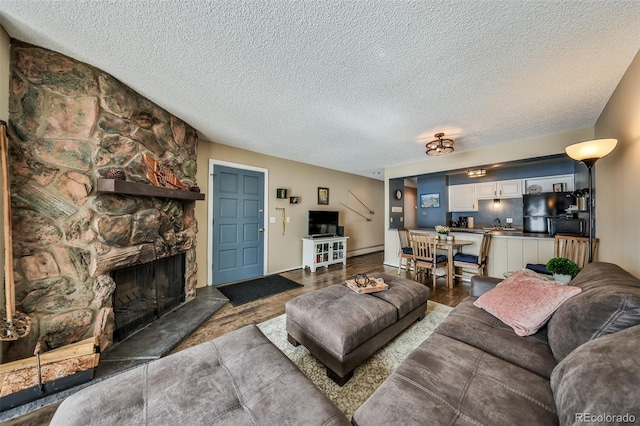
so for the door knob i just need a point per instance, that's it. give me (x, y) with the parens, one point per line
(261, 230)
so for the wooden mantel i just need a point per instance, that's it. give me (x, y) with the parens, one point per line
(116, 186)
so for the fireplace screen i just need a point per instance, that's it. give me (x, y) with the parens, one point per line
(146, 292)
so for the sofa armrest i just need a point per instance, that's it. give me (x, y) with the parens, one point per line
(481, 284)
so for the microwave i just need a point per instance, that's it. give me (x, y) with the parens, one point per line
(567, 226)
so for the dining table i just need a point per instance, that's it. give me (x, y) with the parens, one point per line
(449, 245)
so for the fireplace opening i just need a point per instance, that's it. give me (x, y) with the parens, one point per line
(146, 292)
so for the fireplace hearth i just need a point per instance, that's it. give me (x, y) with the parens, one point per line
(146, 292)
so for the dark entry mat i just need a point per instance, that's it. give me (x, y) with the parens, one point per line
(248, 291)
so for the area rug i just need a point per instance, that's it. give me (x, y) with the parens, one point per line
(368, 376)
(248, 291)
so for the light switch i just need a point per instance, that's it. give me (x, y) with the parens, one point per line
(288, 219)
(272, 220)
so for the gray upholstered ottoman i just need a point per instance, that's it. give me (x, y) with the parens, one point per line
(342, 329)
(240, 378)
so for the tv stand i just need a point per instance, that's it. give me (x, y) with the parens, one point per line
(319, 251)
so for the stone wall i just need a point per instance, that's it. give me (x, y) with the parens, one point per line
(69, 125)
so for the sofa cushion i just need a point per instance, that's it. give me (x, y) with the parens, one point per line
(340, 319)
(609, 302)
(476, 327)
(447, 382)
(525, 302)
(600, 377)
(240, 378)
(405, 295)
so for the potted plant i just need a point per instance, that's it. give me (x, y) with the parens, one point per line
(563, 269)
(442, 231)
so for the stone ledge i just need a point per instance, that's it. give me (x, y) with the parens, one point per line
(115, 186)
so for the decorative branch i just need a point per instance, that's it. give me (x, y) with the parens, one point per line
(15, 325)
(356, 211)
(365, 206)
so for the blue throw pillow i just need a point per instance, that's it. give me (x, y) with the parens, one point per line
(467, 258)
(539, 268)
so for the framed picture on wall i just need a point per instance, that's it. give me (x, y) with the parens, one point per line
(323, 196)
(430, 200)
(281, 193)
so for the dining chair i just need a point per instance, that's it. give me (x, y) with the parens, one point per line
(478, 264)
(425, 256)
(574, 248)
(405, 252)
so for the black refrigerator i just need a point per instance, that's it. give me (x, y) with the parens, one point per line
(537, 208)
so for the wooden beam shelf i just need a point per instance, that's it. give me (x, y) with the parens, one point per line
(116, 186)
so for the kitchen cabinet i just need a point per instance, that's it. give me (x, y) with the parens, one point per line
(510, 188)
(462, 198)
(486, 190)
(509, 254)
(499, 189)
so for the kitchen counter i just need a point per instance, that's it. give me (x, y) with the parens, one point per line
(516, 232)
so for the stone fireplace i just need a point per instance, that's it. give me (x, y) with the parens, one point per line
(145, 293)
(71, 126)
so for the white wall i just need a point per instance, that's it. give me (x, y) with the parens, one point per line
(537, 147)
(618, 174)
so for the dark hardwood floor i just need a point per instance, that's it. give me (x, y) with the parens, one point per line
(230, 317)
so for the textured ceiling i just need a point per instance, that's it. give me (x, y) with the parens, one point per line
(351, 85)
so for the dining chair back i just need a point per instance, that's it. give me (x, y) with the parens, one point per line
(405, 252)
(478, 264)
(425, 256)
(575, 248)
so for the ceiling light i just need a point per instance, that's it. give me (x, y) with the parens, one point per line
(476, 173)
(440, 146)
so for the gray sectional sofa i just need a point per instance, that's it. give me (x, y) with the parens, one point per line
(240, 378)
(582, 367)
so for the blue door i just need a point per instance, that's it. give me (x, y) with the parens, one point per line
(238, 222)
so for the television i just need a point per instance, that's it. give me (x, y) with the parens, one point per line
(323, 223)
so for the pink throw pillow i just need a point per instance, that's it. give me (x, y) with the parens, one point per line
(525, 303)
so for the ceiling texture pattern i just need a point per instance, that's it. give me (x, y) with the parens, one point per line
(351, 85)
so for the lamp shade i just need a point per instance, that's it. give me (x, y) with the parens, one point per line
(591, 150)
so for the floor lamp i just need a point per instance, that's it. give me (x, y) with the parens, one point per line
(588, 153)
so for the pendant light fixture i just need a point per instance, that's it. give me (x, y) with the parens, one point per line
(440, 146)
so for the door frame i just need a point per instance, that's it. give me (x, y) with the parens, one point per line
(212, 163)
